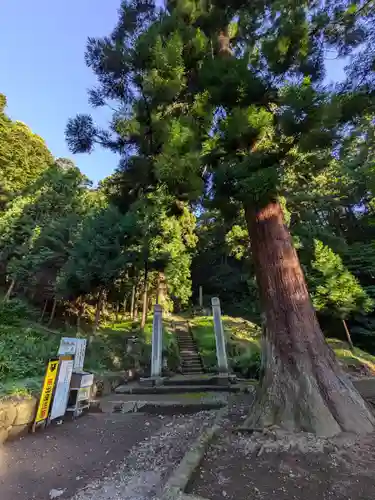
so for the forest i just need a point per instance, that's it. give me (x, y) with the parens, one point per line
(241, 170)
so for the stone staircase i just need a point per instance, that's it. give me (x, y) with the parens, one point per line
(191, 362)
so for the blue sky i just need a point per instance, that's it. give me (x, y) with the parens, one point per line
(43, 74)
(42, 68)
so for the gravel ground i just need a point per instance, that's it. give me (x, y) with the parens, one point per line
(98, 457)
(147, 466)
(281, 466)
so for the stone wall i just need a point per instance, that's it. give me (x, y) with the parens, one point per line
(16, 416)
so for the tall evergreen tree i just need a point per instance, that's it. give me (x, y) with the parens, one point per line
(233, 93)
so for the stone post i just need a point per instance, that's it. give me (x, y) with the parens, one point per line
(221, 352)
(157, 342)
(201, 297)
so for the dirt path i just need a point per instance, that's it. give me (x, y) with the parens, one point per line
(233, 470)
(98, 457)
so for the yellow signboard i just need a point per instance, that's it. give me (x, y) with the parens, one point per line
(47, 392)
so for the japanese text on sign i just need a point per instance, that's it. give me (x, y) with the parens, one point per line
(48, 386)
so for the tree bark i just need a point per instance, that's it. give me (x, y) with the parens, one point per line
(132, 303)
(80, 314)
(302, 387)
(10, 290)
(52, 312)
(145, 296)
(348, 336)
(124, 304)
(99, 306)
(44, 311)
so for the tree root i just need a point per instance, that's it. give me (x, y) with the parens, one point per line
(276, 440)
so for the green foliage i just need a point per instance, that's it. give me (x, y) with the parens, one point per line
(334, 288)
(24, 352)
(243, 347)
(13, 312)
(23, 155)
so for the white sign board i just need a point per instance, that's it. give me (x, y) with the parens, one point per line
(61, 396)
(67, 347)
(79, 357)
(74, 347)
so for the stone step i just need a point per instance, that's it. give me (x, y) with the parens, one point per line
(200, 379)
(177, 389)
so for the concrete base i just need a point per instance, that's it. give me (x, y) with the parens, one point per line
(365, 386)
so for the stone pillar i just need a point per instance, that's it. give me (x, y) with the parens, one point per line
(201, 297)
(157, 342)
(221, 352)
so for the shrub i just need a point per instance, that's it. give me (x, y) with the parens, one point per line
(24, 352)
(12, 312)
(247, 364)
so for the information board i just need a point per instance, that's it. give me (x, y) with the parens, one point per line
(76, 348)
(61, 396)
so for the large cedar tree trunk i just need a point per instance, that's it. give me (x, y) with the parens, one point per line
(302, 386)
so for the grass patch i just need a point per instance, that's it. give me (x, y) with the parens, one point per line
(355, 358)
(243, 344)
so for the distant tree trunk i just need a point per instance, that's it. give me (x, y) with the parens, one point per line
(52, 312)
(117, 311)
(348, 336)
(10, 290)
(145, 293)
(132, 303)
(80, 314)
(302, 387)
(98, 311)
(124, 304)
(158, 290)
(44, 311)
